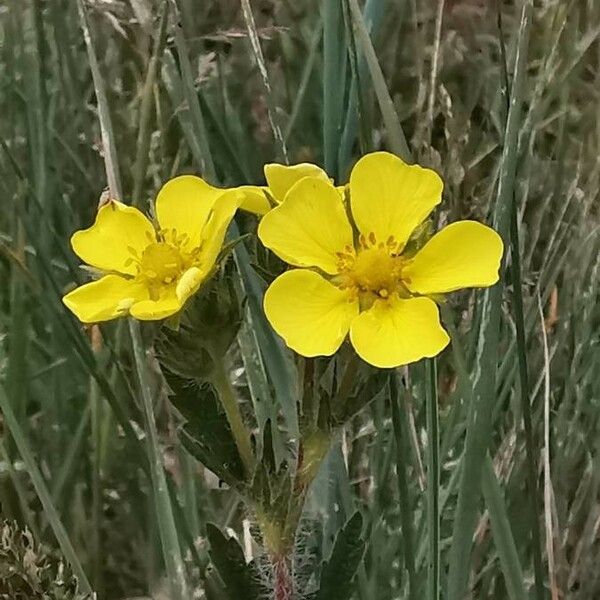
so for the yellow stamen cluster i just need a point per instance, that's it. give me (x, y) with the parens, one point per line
(372, 271)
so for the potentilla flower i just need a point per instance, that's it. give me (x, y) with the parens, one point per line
(363, 279)
(280, 179)
(149, 272)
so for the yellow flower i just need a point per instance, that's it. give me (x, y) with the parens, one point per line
(280, 179)
(365, 282)
(150, 273)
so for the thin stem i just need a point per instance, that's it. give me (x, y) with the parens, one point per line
(433, 481)
(434, 64)
(166, 522)
(232, 410)
(96, 541)
(403, 493)
(284, 583)
(260, 62)
(144, 131)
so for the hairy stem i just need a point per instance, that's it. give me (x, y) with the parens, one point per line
(284, 584)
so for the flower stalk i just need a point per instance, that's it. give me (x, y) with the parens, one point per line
(222, 384)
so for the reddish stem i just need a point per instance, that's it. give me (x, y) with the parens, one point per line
(284, 586)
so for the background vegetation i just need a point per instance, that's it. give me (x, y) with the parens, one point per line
(129, 93)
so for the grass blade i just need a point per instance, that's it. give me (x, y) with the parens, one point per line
(144, 131)
(108, 138)
(396, 139)
(42, 491)
(503, 538)
(521, 341)
(260, 61)
(334, 70)
(164, 512)
(484, 385)
(403, 493)
(433, 481)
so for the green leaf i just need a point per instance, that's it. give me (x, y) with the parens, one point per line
(346, 556)
(242, 580)
(206, 433)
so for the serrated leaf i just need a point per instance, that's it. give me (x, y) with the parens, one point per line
(241, 579)
(346, 556)
(206, 433)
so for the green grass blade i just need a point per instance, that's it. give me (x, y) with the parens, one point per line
(187, 92)
(484, 385)
(164, 512)
(521, 341)
(406, 514)
(503, 538)
(108, 137)
(304, 81)
(262, 67)
(42, 491)
(395, 134)
(144, 130)
(334, 70)
(373, 13)
(277, 359)
(433, 481)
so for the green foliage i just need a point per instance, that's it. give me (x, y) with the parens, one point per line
(338, 572)
(164, 88)
(205, 433)
(242, 580)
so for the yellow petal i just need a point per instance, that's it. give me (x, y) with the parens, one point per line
(105, 299)
(310, 227)
(119, 233)
(463, 254)
(183, 205)
(172, 299)
(309, 313)
(155, 310)
(215, 229)
(254, 199)
(390, 198)
(189, 283)
(281, 178)
(396, 332)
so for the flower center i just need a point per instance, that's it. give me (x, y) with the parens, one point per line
(161, 263)
(374, 271)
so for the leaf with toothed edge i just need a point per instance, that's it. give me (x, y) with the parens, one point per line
(242, 580)
(346, 556)
(206, 434)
